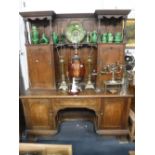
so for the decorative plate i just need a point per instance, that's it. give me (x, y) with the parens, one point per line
(75, 33)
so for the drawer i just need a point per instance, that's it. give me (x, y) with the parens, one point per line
(90, 103)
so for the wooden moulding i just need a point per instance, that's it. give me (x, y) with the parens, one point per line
(37, 14)
(41, 132)
(106, 13)
(48, 93)
(111, 13)
(132, 126)
(113, 132)
(46, 149)
(100, 132)
(131, 152)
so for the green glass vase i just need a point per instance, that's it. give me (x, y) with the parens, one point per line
(104, 38)
(118, 37)
(110, 37)
(93, 37)
(44, 39)
(34, 35)
(55, 38)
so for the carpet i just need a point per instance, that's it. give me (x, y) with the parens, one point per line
(85, 141)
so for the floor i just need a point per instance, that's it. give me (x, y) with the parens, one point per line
(81, 134)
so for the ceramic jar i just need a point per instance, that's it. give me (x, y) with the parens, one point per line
(104, 38)
(118, 37)
(93, 37)
(110, 37)
(55, 38)
(34, 35)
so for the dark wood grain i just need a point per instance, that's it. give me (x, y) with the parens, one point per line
(114, 111)
(108, 113)
(43, 103)
(38, 113)
(108, 54)
(41, 66)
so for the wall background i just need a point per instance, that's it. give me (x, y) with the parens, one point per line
(70, 6)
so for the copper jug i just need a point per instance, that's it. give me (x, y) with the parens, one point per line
(76, 68)
(76, 71)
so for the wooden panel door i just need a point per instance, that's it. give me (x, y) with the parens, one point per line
(41, 66)
(38, 113)
(108, 54)
(114, 112)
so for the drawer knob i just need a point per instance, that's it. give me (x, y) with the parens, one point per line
(36, 60)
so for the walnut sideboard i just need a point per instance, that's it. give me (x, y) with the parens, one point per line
(42, 106)
(43, 101)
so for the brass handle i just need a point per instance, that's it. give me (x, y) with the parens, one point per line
(37, 61)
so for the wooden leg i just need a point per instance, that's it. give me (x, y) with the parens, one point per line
(132, 129)
(131, 152)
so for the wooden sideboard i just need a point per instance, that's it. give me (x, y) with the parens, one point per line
(43, 100)
(41, 109)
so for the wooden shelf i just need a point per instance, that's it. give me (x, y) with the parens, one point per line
(47, 93)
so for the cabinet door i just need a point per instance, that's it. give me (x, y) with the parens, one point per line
(108, 54)
(38, 113)
(114, 113)
(41, 66)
